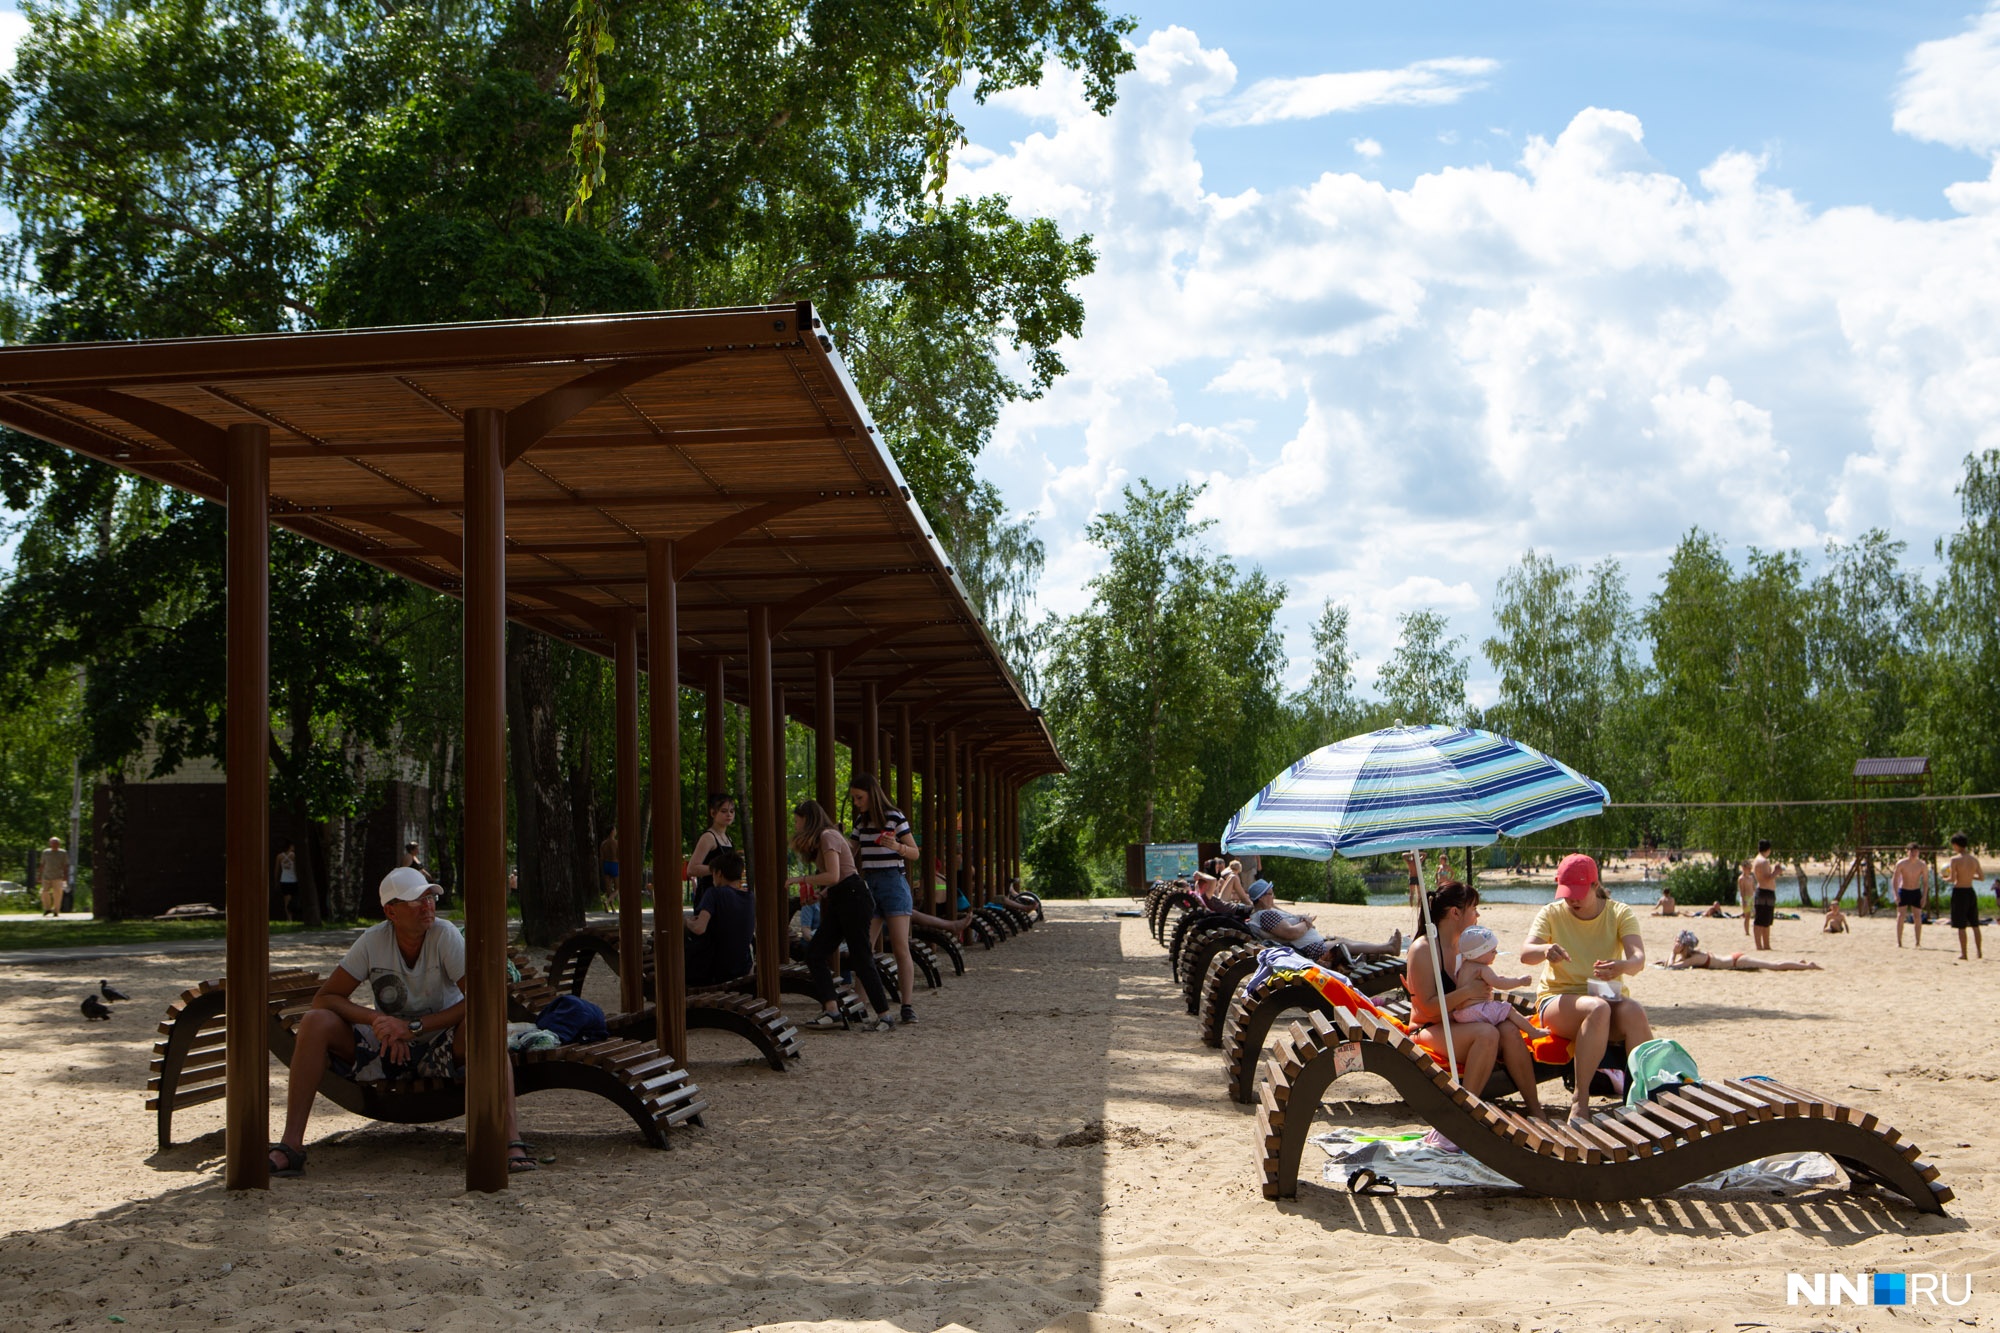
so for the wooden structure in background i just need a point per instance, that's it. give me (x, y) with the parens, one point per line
(1879, 838)
(700, 495)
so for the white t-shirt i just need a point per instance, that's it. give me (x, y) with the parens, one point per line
(409, 990)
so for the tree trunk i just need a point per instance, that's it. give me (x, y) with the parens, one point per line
(107, 885)
(1805, 897)
(302, 861)
(551, 904)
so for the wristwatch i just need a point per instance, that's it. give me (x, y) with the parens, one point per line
(416, 1027)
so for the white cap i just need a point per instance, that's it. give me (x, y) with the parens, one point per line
(405, 884)
(1476, 940)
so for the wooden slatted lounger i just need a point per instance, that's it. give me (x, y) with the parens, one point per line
(187, 1067)
(1252, 1014)
(1227, 971)
(1625, 1153)
(1200, 949)
(938, 940)
(1171, 903)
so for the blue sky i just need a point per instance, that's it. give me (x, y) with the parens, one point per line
(1414, 288)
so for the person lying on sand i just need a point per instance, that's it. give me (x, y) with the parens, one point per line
(414, 965)
(1687, 955)
(1715, 910)
(1297, 930)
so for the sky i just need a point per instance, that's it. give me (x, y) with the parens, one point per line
(1413, 289)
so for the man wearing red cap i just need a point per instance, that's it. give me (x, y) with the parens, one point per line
(1587, 944)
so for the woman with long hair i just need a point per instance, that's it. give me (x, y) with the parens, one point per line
(1453, 907)
(721, 814)
(846, 908)
(884, 848)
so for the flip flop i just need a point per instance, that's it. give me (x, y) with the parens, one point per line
(525, 1162)
(295, 1161)
(1363, 1180)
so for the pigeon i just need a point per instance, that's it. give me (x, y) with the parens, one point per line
(111, 992)
(95, 1008)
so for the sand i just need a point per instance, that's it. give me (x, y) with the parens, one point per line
(1050, 1148)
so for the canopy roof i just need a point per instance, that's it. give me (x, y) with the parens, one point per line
(737, 434)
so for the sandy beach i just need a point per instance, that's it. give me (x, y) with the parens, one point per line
(1049, 1148)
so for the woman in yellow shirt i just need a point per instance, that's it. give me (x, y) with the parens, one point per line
(1581, 937)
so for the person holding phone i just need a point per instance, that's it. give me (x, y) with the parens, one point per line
(884, 848)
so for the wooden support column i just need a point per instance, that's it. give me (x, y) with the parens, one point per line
(905, 782)
(247, 947)
(826, 769)
(663, 678)
(484, 1032)
(985, 807)
(714, 732)
(973, 833)
(868, 754)
(771, 826)
(625, 744)
(782, 755)
(927, 860)
(950, 805)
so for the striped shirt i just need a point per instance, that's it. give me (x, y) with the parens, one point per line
(875, 856)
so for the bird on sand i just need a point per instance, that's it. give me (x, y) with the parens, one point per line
(111, 992)
(95, 1008)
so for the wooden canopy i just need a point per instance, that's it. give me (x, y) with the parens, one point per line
(735, 434)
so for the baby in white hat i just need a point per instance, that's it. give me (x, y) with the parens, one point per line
(1477, 948)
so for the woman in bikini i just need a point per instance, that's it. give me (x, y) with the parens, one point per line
(1687, 955)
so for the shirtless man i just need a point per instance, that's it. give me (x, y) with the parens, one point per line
(1907, 882)
(1964, 872)
(1764, 904)
(1746, 885)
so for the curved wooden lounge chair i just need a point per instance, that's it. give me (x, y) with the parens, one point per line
(1005, 922)
(1678, 1137)
(570, 963)
(1171, 901)
(633, 1075)
(1200, 948)
(983, 930)
(1191, 923)
(939, 939)
(1227, 971)
(1252, 1014)
(762, 1025)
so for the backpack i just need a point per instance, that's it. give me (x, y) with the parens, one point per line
(572, 1019)
(1656, 1064)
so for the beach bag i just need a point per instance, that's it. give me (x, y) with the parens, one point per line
(572, 1019)
(1656, 1064)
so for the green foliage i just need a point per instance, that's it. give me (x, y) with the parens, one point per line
(38, 739)
(1424, 679)
(1700, 882)
(1056, 865)
(1335, 880)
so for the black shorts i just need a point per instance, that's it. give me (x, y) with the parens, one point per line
(1909, 897)
(1964, 908)
(1765, 910)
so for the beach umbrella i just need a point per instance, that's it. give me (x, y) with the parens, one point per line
(1409, 789)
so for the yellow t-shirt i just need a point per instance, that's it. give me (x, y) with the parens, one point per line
(1603, 936)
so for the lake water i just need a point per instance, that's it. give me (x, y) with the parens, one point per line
(1638, 895)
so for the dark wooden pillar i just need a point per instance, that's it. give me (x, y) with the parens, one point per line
(905, 781)
(714, 733)
(950, 806)
(868, 754)
(631, 926)
(927, 862)
(484, 1032)
(969, 823)
(826, 771)
(663, 678)
(247, 966)
(771, 827)
(781, 738)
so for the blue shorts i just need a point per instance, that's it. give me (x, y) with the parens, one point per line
(891, 889)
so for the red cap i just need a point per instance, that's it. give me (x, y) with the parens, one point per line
(1576, 877)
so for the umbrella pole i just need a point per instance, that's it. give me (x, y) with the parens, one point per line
(1437, 966)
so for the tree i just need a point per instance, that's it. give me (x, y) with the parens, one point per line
(1424, 679)
(1327, 706)
(1147, 678)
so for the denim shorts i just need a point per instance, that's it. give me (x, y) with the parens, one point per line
(891, 889)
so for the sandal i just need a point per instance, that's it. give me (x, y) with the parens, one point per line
(525, 1162)
(295, 1161)
(1363, 1180)
(826, 1021)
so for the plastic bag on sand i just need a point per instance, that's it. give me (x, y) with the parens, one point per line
(1411, 1165)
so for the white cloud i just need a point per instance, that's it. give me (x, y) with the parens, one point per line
(1950, 92)
(1390, 393)
(1368, 148)
(1425, 83)
(13, 28)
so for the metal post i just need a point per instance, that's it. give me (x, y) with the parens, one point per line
(485, 889)
(826, 770)
(247, 1113)
(712, 727)
(631, 929)
(663, 668)
(868, 754)
(771, 825)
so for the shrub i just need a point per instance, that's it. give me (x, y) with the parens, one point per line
(1056, 867)
(1335, 881)
(1699, 883)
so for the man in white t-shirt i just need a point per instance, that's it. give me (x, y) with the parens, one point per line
(414, 965)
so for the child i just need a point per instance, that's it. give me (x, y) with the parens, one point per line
(1477, 948)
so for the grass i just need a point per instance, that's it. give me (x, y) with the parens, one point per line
(30, 931)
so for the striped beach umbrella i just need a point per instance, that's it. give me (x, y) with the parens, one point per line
(1407, 788)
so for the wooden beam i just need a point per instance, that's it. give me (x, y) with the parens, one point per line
(631, 849)
(529, 422)
(663, 660)
(247, 950)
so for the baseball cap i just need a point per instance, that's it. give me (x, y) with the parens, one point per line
(1576, 877)
(405, 884)
(1476, 940)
